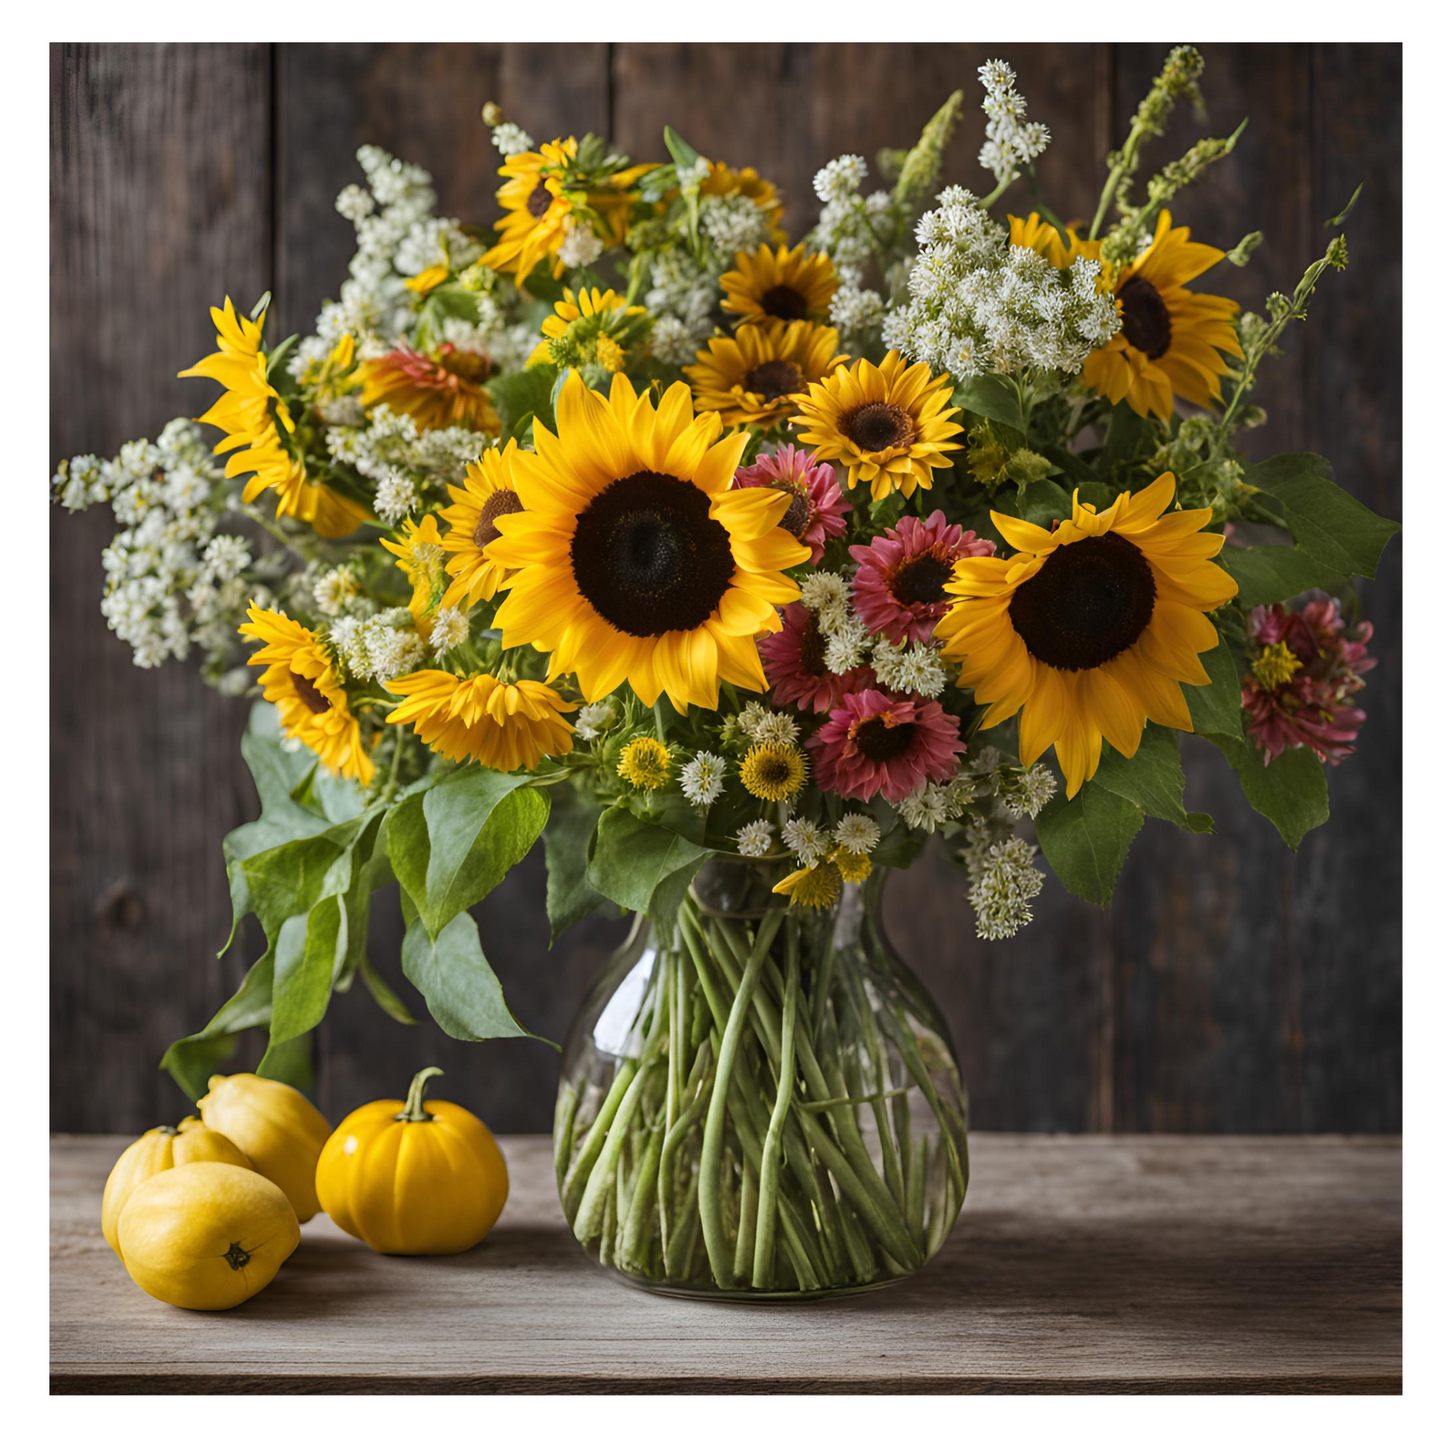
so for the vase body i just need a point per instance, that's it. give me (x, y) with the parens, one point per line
(760, 1102)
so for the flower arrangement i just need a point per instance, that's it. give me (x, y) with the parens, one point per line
(632, 526)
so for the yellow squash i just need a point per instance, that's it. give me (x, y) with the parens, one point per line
(279, 1128)
(413, 1178)
(154, 1152)
(206, 1236)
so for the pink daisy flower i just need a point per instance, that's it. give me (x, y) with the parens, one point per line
(793, 661)
(875, 743)
(817, 509)
(1306, 666)
(898, 589)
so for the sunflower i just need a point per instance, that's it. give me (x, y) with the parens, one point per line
(502, 725)
(758, 376)
(722, 180)
(590, 326)
(1036, 234)
(488, 492)
(1091, 628)
(788, 285)
(645, 763)
(887, 424)
(773, 771)
(304, 683)
(541, 196)
(817, 887)
(419, 554)
(245, 412)
(444, 389)
(1171, 339)
(636, 561)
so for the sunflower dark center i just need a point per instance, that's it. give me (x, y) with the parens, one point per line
(800, 510)
(310, 694)
(500, 504)
(538, 201)
(774, 379)
(1090, 601)
(648, 557)
(1146, 317)
(879, 742)
(784, 303)
(810, 649)
(773, 770)
(878, 425)
(920, 580)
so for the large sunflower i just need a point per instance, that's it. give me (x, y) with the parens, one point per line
(888, 425)
(635, 561)
(503, 725)
(1171, 338)
(758, 376)
(1091, 628)
(541, 197)
(248, 412)
(304, 683)
(790, 285)
(487, 493)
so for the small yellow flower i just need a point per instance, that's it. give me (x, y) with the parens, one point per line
(610, 356)
(419, 554)
(774, 771)
(852, 867)
(1275, 666)
(646, 763)
(817, 887)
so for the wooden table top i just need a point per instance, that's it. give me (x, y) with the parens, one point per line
(1079, 1264)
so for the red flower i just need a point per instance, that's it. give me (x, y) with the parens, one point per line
(435, 391)
(1306, 665)
(793, 661)
(876, 743)
(898, 590)
(817, 509)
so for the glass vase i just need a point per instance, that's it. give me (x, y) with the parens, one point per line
(760, 1102)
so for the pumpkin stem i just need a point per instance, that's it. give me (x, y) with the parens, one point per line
(237, 1257)
(414, 1113)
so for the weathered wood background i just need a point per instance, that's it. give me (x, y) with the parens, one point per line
(1233, 986)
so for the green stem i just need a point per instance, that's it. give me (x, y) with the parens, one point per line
(709, 1199)
(562, 1123)
(413, 1112)
(634, 1250)
(600, 1181)
(596, 1137)
(773, 1144)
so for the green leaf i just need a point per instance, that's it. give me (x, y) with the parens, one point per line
(383, 993)
(1275, 574)
(633, 859)
(993, 397)
(519, 395)
(192, 1060)
(451, 845)
(1291, 792)
(1130, 437)
(293, 1062)
(307, 949)
(1215, 708)
(278, 776)
(1087, 838)
(566, 842)
(1340, 533)
(453, 975)
(1152, 779)
(682, 154)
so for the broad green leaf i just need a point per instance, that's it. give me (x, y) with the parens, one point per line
(683, 155)
(453, 975)
(1291, 792)
(566, 842)
(453, 844)
(1087, 838)
(286, 881)
(277, 774)
(307, 949)
(522, 394)
(633, 859)
(993, 397)
(1130, 438)
(1215, 709)
(293, 1062)
(1153, 779)
(383, 993)
(192, 1060)
(1275, 574)
(1340, 533)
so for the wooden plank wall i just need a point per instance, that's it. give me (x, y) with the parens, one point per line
(1232, 987)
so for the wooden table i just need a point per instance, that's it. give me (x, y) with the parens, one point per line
(1081, 1263)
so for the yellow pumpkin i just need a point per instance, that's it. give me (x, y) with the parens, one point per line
(206, 1236)
(278, 1127)
(154, 1152)
(413, 1178)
